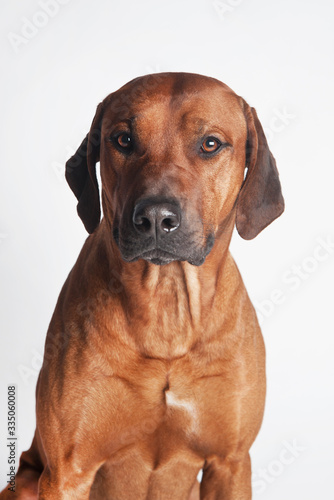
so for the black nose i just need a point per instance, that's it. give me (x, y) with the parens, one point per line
(151, 218)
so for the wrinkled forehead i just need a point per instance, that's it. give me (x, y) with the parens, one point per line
(190, 101)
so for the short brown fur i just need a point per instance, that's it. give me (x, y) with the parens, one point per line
(151, 372)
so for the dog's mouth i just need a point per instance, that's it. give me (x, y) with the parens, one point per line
(161, 257)
(154, 252)
(156, 256)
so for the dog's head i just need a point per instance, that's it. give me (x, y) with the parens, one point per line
(173, 149)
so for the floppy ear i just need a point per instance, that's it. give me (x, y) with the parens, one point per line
(260, 200)
(81, 174)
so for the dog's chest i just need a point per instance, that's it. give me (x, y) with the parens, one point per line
(185, 416)
(182, 410)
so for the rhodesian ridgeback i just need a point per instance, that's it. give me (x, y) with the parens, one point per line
(154, 363)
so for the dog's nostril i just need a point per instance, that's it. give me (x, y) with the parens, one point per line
(142, 224)
(170, 224)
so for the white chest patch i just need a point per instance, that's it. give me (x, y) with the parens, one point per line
(182, 404)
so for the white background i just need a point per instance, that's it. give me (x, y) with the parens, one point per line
(279, 57)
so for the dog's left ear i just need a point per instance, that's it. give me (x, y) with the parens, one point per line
(260, 199)
(81, 174)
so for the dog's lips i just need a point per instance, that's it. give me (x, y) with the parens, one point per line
(160, 256)
(156, 256)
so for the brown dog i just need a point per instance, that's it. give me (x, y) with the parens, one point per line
(154, 362)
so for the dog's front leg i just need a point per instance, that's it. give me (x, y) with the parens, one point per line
(70, 439)
(227, 479)
(71, 459)
(65, 483)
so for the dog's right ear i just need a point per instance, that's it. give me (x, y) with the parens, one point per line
(81, 174)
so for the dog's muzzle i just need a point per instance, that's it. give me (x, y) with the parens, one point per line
(156, 231)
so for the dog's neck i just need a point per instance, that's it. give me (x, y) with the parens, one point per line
(184, 295)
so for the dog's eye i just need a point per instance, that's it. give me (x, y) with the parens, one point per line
(124, 140)
(210, 145)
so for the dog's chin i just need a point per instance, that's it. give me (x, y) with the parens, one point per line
(155, 256)
(161, 258)
(158, 257)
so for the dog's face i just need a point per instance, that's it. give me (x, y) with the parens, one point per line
(171, 167)
(173, 150)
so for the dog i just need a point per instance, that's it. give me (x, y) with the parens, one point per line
(154, 363)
